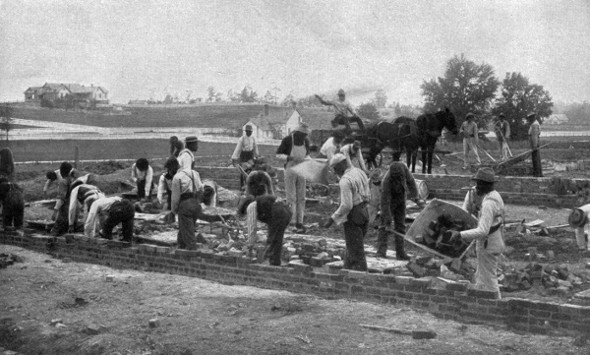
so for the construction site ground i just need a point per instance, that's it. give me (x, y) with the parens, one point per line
(53, 306)
(115, 319)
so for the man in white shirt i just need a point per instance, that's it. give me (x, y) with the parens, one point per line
(534, 135)
(186, 157)
(332, 145)
(143, 175)
(470, 139)
(354, 155)
(82, 195)
(245, 153)
(107, 212)
(352, 212)
(344, 112)
(165, 182)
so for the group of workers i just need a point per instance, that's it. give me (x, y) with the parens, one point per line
(186, 195)
(470, 133)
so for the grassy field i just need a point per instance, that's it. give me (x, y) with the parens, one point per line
(56, 150)
(229, 116)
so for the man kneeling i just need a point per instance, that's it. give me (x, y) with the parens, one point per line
(108, 212)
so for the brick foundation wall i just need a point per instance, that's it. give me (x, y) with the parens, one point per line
(514, 190)
(450, 301)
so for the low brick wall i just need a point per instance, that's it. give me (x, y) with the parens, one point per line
(450, 301)
(514, 190)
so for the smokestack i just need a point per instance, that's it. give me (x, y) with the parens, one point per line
(266, 109)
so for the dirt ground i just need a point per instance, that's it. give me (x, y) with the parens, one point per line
(50, 306)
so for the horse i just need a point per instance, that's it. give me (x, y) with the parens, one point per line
(405, 133)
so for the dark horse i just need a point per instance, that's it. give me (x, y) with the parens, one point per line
(407, 134)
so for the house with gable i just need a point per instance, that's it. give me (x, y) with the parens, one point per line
(270, 123)
(79, 94)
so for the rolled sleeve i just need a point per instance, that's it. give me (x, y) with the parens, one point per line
(175, 199)
(73, 208)
(149, 178)
(251, 219)
(238, 150)
(341, 214)
(90, 225)
(161, 189)
(483, 226)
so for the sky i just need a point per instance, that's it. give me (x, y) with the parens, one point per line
(149, 48)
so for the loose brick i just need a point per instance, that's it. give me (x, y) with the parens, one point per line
(403, 280)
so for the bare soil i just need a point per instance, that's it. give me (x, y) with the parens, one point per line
(50, 306)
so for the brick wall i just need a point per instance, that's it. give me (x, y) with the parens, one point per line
(450, 301)
(514, 190)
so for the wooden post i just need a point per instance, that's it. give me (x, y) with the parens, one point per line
(76, 156)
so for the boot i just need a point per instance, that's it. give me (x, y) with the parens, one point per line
(382, 243)
(400, 253)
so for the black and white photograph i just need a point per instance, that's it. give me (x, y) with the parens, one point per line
(294, 177)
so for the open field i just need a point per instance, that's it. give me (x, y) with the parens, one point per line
(229, 116)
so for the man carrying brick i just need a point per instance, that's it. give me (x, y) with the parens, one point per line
(352, 212)
(489, 233)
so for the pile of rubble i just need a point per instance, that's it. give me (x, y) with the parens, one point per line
(9, 259)
(557, 279)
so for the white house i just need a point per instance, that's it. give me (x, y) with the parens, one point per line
(556, 118)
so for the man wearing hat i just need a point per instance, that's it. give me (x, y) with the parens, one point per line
(487, 203)
(344, 112)
(245, 153)
(293, 150)
(355, 193)
(502, 130)
(578, 220)
(186, 157)
(397, 185)
(470, 139)
(534, 134)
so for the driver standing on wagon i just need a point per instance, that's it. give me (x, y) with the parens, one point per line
(344, 112)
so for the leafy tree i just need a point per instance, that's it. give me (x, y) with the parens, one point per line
(368, 111)
(268, 97)
(248, 95)
(6, 113)
(211, 94)
(578, 113)
(380, 98)
(466, 87)
(520, 98)
(288, 100)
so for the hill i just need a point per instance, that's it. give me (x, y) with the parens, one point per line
(200, 116)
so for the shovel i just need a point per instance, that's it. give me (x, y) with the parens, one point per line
(457, 263)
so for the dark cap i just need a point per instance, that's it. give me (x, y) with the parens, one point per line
(485, 174)
(531, 116)
(191, 139)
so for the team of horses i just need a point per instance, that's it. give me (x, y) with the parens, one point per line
(407, 135)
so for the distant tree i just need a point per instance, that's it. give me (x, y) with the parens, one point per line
(6, 113)
(397, 110)
(578, 113)
(380, 99)
(248, 95)
(519, 98)
(368, 111)
(211, 94)
(288, 100)
(466, 87)
(268, 97)
(168, 99)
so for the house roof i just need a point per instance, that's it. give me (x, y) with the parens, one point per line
(316, 118)
(54, 86)
(35, 89)
(74, 88)
(556, 118)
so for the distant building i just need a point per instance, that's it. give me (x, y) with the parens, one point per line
(79, 94)
(556, 118)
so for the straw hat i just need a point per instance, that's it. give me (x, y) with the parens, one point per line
(577, 218)
(303, 128)
(337, 158)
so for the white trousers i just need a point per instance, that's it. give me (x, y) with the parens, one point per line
(295, 191)
(469, 145)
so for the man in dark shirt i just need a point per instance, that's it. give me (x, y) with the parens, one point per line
(397, 184)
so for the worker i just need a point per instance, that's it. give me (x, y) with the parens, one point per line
(245, 153)
(344, 112)
(487, 203)
(13, 204)
(502, 130)
(261, 205)
(354, 156)
(534, 135)
(578, 220)
(142, 174)
(293, 150)
(187, 195)
(82, 195)
(210, 193)
(107, 212)
(397, 185)
(470, 139)
(6, 164)
(165, 182)
(52, 177)
(186, 157)
(332, 145)
(352, 212)
(60, 211)
(176, 146)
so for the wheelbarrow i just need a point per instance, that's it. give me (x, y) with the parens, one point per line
(502, 167)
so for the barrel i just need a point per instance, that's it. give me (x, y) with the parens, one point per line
(422, 189)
